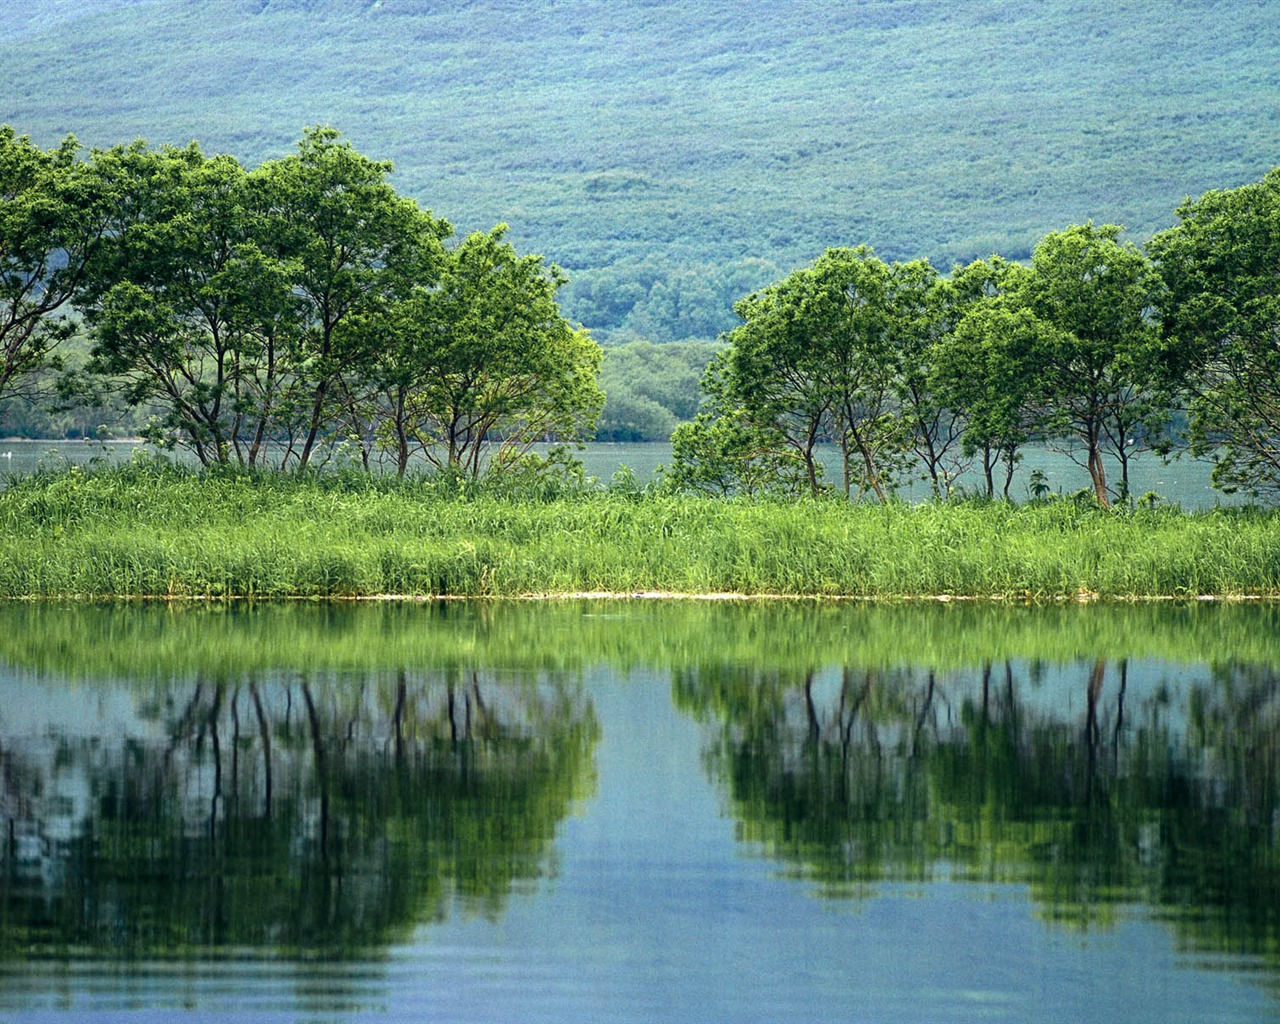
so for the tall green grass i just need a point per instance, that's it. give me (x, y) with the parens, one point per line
(156, 530)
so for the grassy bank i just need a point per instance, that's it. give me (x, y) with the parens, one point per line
(159, 531)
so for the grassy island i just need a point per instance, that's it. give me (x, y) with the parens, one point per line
(160, 531)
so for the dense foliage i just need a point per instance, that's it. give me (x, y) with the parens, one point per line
(1090, 347)
(1221, 264)
(52, 215)
(650, 389)
(262, 314)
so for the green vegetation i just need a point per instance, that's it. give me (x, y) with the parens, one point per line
(52, 217)
(267, 314)
(858, 774)
(1093, 347)
(650, 389)
(158, 531)
(288, 308)
(1219, 264)
(693, 134)
(633, 301)
(142, 642)
(264, 316)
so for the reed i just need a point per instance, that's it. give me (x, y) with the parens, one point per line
(160, 531)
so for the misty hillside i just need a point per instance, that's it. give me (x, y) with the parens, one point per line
(674, 155)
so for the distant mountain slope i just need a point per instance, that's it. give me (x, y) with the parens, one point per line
(22, 18)
(685, 134)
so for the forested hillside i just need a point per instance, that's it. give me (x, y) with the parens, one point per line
(672, 156)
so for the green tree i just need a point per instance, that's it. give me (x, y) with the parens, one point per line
(1221, 265)
(725, 450)
(984, 279)
(923, 309)
(813, 359)
(188, 315)
(988, 368)
(631, 415)
(662, 301)
(966, 360)
(724, 455)
(485, 364)
(351, 246)
(650, 388)
(1099, 294)
(251, 307)
(53, 214)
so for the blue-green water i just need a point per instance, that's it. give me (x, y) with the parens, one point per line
(634, 812)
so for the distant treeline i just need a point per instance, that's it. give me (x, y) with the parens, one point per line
(633, 301)
(305, 304)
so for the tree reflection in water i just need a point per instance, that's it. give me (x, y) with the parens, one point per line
(854, 776)
(308, 816)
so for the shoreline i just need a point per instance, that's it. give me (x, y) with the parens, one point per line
(651, 596)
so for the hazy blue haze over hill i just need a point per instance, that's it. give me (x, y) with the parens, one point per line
(663, 141)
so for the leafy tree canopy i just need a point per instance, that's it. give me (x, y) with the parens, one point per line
(52, 216)
(1221, 264)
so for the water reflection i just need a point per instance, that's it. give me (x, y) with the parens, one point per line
(311, 811)
(311, 815)
(1098, 784)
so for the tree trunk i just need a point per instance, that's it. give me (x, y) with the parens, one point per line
(1098, 474)
(265, 732)
(402, 434)
(322, 769)
(313, 428)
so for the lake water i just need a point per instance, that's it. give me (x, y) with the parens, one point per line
(1183, 480)
(639, 811)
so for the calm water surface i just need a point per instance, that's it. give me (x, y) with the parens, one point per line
(639, 812)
